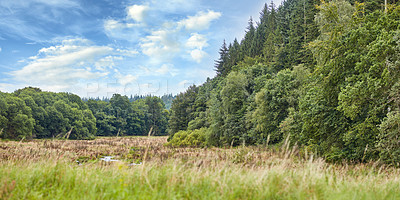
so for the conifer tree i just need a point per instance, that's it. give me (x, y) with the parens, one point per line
(219, 64)
(246, 44)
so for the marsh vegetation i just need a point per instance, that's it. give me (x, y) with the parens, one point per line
(63, 169)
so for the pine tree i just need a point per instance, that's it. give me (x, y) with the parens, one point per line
(261, 33)
(246, 44)
(219, 64)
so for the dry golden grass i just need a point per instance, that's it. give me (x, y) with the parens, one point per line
(131, 149)
(126, 148)
(50, 170)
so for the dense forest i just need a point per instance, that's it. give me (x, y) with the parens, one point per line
(321, 75)
(166, 98)
(32, 113)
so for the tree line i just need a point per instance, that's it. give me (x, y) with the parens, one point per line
(324, 75)
(32, 113)
(166, 98)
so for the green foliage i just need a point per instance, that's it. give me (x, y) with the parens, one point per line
(182, 110)
(273, 102)
(120, 117)
(31, 113)
(16, 120)
(190, 138)
(325, 73)
(157, 116)
(389, 145)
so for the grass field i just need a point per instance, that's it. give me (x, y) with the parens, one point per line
(61, 169)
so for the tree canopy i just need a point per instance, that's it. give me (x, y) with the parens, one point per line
(32, 113)
(323, 74)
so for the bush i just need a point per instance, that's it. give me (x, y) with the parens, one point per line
(389, 139)
(190, 138)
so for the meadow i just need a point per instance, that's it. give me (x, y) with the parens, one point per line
(147, 169)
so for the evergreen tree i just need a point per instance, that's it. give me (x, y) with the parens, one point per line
(222, 61)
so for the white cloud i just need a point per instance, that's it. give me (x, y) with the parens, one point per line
(200, 21)
(198, 55)
(166, 42)
(111, 24)
(106, 63)
(167, 69)
(162, 39)
(145, 70)
(161, 45)
(125, 79)
(65, 66)
(197, 41)
(127, 52)
(163, 69)
(7, 87)
(137, 12)
(122, 30)
(0, 49)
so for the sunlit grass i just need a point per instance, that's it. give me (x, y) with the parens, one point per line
(50, 171)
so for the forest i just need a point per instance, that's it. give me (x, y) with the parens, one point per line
(31, 113)
(323, 76)
(305, 106)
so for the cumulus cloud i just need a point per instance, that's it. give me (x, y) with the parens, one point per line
(168, 41)
(197, 41)
(198, 55)
(0, 49)
(161, 44)
(200, 21)
(137, 12)
(63, 65)
(160, 39)
(70, 63)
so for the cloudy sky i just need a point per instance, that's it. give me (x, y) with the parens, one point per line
(100, 47)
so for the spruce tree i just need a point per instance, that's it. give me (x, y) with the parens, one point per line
(219, 64)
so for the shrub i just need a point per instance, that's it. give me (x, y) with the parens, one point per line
(389, 138)
(189, 138)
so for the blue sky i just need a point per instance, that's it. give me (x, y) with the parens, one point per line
(100, 47)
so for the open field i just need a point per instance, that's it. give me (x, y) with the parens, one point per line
(61, 169)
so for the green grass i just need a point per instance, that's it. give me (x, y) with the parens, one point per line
(38, 170)
(175, 179)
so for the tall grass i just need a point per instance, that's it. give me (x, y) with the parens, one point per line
(238, 173)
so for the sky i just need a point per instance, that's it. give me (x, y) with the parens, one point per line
(95, 48)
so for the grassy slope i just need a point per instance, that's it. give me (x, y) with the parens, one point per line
(43, 171)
